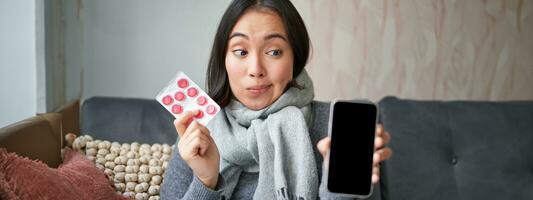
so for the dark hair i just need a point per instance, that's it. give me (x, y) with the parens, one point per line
(217, 78)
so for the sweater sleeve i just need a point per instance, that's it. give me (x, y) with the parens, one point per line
(179, 182)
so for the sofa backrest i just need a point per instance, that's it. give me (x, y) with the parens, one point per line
(127, 120)
(143, 120)
(459, 150)
(37, 137)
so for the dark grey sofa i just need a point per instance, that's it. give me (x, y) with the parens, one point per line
(459, 150)
(442, 150)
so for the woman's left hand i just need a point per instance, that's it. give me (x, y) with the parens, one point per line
(381, 152)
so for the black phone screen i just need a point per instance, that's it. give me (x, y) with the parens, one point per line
(352, 146)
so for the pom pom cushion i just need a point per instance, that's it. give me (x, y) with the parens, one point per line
(76, 178)
(136, 170)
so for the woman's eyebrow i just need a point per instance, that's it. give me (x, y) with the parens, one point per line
(275, 35)
(268, 37)
(237, 34)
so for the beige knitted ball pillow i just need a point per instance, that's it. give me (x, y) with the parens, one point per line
(136, 170)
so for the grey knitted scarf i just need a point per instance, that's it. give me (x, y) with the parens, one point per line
(273, 141)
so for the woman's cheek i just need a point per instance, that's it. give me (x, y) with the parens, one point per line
(235, 73)
(283, 72)
(234, 67)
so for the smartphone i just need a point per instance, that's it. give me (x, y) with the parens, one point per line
(352, 127)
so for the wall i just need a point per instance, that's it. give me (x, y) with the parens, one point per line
(473, 50)
(54, 54)
(448, 50)
(20, 53)
(73, 48)
(132, 48)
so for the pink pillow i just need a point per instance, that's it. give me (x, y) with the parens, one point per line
(76, 178)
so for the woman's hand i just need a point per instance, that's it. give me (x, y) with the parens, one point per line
(198, 149)
(381, 152)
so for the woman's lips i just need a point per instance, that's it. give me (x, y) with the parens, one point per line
(258, 89)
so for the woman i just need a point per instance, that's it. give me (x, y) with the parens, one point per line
(259, 146)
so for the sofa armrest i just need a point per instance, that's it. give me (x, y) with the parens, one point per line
(37, 137)
(70, 113)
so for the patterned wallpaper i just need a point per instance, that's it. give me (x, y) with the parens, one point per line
(421, 49)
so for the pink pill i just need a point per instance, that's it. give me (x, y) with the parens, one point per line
(211, 109)
(200, 114)
(179, 96)
(167, 100)
(201, 100)
(183, 83)
(177, 109)
(192, 92)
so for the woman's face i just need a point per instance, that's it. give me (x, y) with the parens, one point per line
(259, 59)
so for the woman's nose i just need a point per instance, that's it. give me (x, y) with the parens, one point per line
(256, 68)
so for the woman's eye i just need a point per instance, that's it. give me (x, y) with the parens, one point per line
(275, 52)
(240, 52)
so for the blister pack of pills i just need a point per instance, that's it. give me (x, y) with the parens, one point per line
(181, 95)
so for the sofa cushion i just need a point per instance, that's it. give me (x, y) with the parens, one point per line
(127, 120)
(459, 150)
(76, 178)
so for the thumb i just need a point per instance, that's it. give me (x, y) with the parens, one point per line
(182, 123)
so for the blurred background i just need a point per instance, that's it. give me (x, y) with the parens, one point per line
(56, 51)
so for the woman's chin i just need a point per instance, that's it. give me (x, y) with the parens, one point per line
(256, 104)
(257, 101)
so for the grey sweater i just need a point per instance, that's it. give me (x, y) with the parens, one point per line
(180, 183)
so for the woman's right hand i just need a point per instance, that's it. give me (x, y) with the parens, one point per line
(198, 149)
